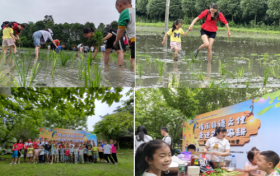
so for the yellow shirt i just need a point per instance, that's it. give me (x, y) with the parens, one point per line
(7, 33)
(175, 36)
(30, 150)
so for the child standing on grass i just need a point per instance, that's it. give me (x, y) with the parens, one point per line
(8, 39)
(175, 37)
(114, 150)
(29, 155)
(126, 22)
(52, 152)
(85, 153)
(89, 154)
(56, 154)
(76, 154)
(62, 153)
(100, 152)
(67, 155)
(81, 155)
(36, 154)
(107, 152)
(71, 154)
(94, 151)
(42, 154)
(15, 154)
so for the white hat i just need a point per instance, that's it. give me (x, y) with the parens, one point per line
(50, 31)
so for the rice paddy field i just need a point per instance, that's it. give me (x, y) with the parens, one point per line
(244, 60)
(66, 69)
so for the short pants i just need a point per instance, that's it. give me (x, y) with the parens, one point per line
(29, 155)
(132, 48)
(101, 155)
(8, 42)
(47, 152)
(14, 156)
(36, 38)
(102, 49)
(209, 34)
(173, 44)
(52, 46)
(110, 44)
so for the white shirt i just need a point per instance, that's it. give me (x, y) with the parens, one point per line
(167, 139)
(148, 174)
(92, 48)
(46, 36)
(147, 138)
(49, 47)
(107, 149)
(217, 145)
(79, 45)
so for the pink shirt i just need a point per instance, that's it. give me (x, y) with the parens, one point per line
(249, 164)
(37, 152)
(114, 149)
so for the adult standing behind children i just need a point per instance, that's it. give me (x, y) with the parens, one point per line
(26, 145)
(41, 37)
(126, 22)
(20, 147)
(166, 138)
(141, 136)
(209, 28)
(57, 42)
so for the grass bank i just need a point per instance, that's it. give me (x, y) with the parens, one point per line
(124, 168)
(197, 27)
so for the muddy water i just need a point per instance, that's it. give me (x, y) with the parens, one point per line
(240, 61)
(68, 76)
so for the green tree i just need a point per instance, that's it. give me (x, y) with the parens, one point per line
(230, 8)
(201, 5)
(114, 25)
(175, 11)
(273, 9)
(101, 26)
(252, 7)
(141, 6)
(188, 8)
(48, 18)
(156, 8)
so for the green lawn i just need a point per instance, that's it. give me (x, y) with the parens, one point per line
(124, 167)
(232, 29)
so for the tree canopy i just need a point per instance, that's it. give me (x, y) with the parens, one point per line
(28, 109)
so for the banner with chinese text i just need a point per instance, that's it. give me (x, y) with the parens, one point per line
(253, 123)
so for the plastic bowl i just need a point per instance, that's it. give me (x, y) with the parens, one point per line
(215, 163)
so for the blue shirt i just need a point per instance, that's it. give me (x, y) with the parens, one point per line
(102, 144)
(60, 48)
(15, 152)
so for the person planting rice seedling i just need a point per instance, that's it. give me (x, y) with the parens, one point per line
(91, 49)
(60, 48)
(175, 34)
(57, 42)
(89, 33)
(79, 46)
(209, 28)
(126, 22)
(110, 38)
(86, 49)
(41, 37)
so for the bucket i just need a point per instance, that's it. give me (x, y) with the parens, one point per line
(193, 171)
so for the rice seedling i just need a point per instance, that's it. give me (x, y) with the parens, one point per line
(140, 68)
(192, 57)
(90, 58)
(95, 80)
(200, 76)
(54, 65)
(22, 73)
(3, 77)
(185, 59)
(81, 67)
(240, 72)
(266, 75)
(160, 66)
(247, 83)
(98, 37)
(64, 57)
(222, 68)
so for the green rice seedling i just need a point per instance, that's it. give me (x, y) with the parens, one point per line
(192, 57)
(22, 73)
(64, 57)
(140, 68)
(200, 76)
(95, 80)
(81, 67)
(98, 37)
(90, 58)
(54, 64)
(231, 74)
(185, 59)
(160, 66)
(266, 75)
(3, 77)
(240, 72)
(222, 68)
(247, 83)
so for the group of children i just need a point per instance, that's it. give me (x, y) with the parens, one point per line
(55, 152)
(86, 48)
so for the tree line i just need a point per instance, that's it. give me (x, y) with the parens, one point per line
(71, 34)
(239, 13)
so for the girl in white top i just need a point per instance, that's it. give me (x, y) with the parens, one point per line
(152, 158)
(251, 166)
(218, 145)
(141, 136)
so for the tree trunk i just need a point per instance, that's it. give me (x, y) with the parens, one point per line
(255, 19)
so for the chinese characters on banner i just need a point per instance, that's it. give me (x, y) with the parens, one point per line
(70, 137)
(239, 128)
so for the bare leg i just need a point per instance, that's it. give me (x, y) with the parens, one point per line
(107, 55)
(15, 49)
(11, 50)
(120, 57)
(211, 41)
(176, 53)
(5, 50)
(37, 48)
(205, 42)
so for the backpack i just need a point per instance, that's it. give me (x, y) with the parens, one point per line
(209, 12)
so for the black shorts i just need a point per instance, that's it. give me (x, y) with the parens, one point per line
(52, 46)
(110, 44)
(85, 51)
(209, 34)
(132, 49)
(101, 155)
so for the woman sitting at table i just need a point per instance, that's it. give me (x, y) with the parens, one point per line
(218, 144)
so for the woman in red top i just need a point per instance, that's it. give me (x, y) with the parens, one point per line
(209, 28)
(35, 143)
(20, 146)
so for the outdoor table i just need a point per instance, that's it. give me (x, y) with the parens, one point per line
(173, 171)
